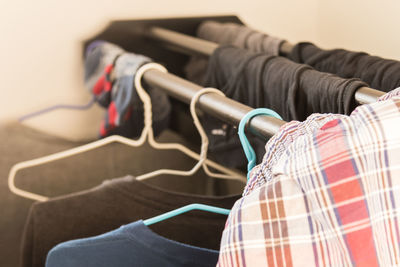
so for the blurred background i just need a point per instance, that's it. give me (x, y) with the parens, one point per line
(40, 48)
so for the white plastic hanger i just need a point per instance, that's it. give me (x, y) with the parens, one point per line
(204, 145)
(64, 154)
(203, 135)
(199, 164)
(111, 139)
(228, 174)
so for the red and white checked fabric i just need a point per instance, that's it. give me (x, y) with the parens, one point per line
(331, 198)
(277, 145)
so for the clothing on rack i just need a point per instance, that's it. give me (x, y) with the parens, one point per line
(100, 57)
(23, 143)
(130, 245)
(325, 193)
(329, 200)
(379, 73)
(278, 144)
(229, 34)
(293, 90)
(109, 74)
(78, 173)
(115, 203)
(240, 36)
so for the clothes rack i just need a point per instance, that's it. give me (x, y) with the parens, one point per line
(192, 45)
(116, 32)
(221, 107)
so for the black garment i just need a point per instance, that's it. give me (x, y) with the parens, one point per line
(20, 143)
(381, 74)
(130, 245)
(293, 90)
(115, 203)
(229, 34)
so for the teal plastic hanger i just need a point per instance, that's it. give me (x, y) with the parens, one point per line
(248, 149)
(251, 157)
(184, 209)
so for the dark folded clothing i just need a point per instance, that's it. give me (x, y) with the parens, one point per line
(81, 172)
(117, 202)
(130, 245)
(379, 73)
(259, 80)
(229, 34)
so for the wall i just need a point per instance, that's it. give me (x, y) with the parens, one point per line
(361, 25)
(40, 48)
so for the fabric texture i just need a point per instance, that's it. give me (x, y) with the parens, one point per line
(99, 58)
(115, 203)
(110, 74)
(20, 143)
(229, 34)
(329, 200)
(379, 73)
(80, 172)
(130, 245)
(278, 144)
(258, 80)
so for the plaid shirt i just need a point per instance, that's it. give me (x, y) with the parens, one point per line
(326, 194)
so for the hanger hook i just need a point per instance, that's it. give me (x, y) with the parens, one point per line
(144, 96)
(196, 121)
(203, 135)
(248, 149)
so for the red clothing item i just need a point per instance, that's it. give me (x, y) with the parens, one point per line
(330, 197)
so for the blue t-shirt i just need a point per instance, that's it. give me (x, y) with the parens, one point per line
(130, 245)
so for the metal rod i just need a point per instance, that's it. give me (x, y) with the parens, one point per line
(188, 43)
(192, 45)
(286, 48)
(216, 105)
(366, 95)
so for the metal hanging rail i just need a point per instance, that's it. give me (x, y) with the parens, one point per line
(192, 45)
(221, 107)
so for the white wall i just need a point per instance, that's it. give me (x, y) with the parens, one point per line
(41, 54)
(361, 25)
